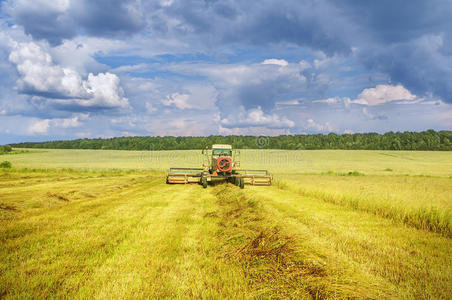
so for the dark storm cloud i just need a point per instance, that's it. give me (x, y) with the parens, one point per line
(46, 94)
(262, 94)
(49, 23)
(409, 41)
(108, 17)
(302, 23)
(418, 65)
(395, 21)
(296, 25)
(55, 22)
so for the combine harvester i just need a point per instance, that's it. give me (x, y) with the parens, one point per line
(219, 164)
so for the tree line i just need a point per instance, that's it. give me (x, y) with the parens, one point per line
(425, 140)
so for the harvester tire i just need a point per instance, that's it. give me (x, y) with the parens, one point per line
(241, 183)
(204, 182)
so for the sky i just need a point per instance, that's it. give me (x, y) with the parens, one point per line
(104, 68)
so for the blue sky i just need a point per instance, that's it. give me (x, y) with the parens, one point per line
(75, 69)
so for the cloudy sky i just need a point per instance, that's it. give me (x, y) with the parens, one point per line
(103, 68)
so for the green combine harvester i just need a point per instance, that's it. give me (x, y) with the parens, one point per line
(219, 164)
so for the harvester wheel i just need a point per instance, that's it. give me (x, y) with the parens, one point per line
(241, 183)
(204, 182)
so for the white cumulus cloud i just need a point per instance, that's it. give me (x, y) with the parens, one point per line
(39, 127)
(39, 75)
(383, 94)
(376, 96)
(314, 126)
(178, 100)
(256, 117)
(43, 126)
(69, 122)
(274, 61)
(331, 100)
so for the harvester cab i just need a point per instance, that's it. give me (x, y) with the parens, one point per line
(221, 163)
(221, 159)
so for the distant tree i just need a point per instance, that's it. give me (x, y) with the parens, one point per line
(5, 164)
(396, 145)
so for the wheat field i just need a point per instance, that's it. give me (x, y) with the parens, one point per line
(335, 224)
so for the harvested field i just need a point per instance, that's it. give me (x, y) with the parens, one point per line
(96, 232)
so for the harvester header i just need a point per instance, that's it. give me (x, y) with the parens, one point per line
(222, 163)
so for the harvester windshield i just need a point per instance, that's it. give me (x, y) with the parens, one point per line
(222, 152)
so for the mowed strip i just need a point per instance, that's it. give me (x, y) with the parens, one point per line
(138, 238)
(173, 253)
(404, 261)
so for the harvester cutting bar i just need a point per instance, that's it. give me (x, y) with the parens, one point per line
(185, 170)
(254, 172)
(257, 180)
(184, 175)
(256, 177)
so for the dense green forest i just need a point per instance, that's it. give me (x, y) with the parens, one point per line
(426, 140)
